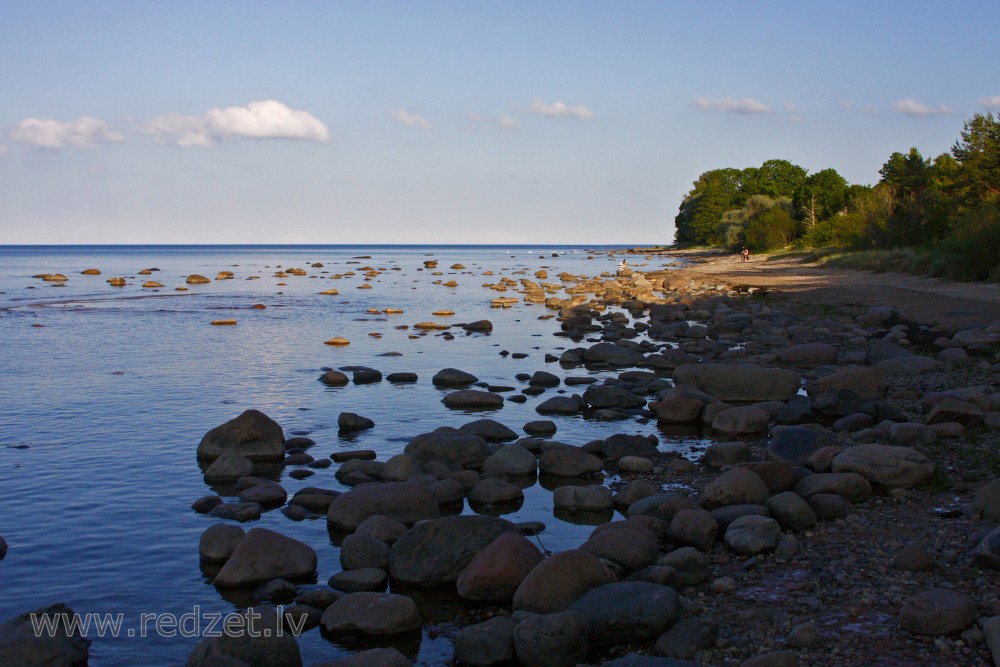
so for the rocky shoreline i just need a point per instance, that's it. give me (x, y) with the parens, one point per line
(845, 514)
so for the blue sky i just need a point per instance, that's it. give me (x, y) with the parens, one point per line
(455, 122)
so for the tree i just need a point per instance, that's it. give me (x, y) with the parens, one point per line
(821, 196)
(714, 193)
(774, 178)
(770, 229)
(978, 154)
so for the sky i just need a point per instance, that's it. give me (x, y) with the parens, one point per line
(582, 122)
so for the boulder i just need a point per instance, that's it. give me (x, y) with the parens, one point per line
(435, 552)
(21, 646)
(367, 579)
(850, 485)
(740, 382)
(263, 555)
(889, 466)
(583, 498)
(498, 569)
(551, 640)
(489, 430)
(371, 615)
(628, 611)
(601, 396)
(349, 421)
(259, 640)
(405, 502)
(488, 643)
(952, 409)
(689, 565)
(559, 580)
(741, 420)
(987, 552)
(721, 454)
(808, 355)
(867, 382)
(473, 399)
(373, 657)
(569, 462)
(451, 446)
(495, 491)
(358, 552)
(625, 543)
(511, 459)
(228, 468)
(695, 528)
(253, 435)
(382, 528)
(452, 377)
(791, 511)
(938, 612)
(613, 355)
(986, 503)
(796, 444)
(560, 405)
(620, 445)
(218, 542)
(736, 486)
(751, 534)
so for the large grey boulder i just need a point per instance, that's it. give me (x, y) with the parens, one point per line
(257, 642)
(867, 382)
(371, 615)
(495, 572)
(628, 611)
(612, 354)
(450, 445)
(452, 377)
(488, 643)
(263, 555)
(511, 459)
(752, 534)
(406, 502)
(217, 543)
(435, 552)
(736, 486)
(253, 435)
(600, 396)
(740, 382)
(889, 466)
(569, 462)
(938, 612)
(850, 485)
(20, 645)
(551, 640)
(560, 580)
(473, 399)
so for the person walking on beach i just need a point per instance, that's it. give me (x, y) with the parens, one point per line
(745, 254)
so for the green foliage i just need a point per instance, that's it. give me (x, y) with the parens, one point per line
(935, 216)
(978, 153)
(821, 196)
(843, 231)
(770, 229)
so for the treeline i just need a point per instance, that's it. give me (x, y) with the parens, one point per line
(949, 205)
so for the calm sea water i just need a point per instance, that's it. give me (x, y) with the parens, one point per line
(107, 391)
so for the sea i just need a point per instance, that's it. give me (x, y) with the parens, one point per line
(106, 391)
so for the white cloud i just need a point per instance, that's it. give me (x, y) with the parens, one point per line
(917, 109)
(991, 102)
(503, 122)
(507, 123)
(3, 148)
(267, 119)
(744, 105)
(411, 119)
(559, 110)
(84, 132)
